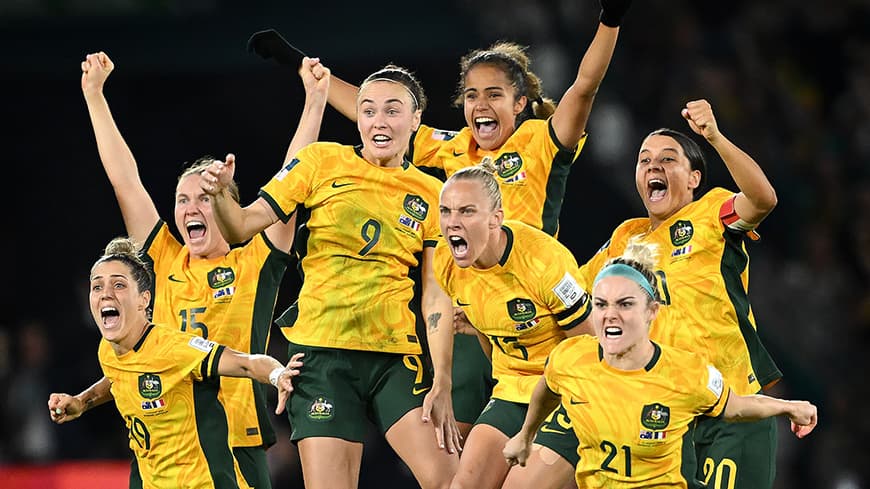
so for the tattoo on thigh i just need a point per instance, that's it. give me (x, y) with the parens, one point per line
(432, 321)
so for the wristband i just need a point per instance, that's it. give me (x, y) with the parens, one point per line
(273, 377)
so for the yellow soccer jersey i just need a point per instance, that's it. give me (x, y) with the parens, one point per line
(166, 390)
(632, 425)
(532, 167)
(703, 280)
(523, 304)
(368, 227)
(229, 300)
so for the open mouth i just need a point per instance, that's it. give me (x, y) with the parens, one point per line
(486, 126)
(381, 140)
(195, 229)
(657, 189)
(111, 316)
(458, 246)
(612, 332)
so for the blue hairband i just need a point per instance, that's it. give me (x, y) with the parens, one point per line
(623, 270)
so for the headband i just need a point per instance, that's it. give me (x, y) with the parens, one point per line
(622, 270)
(413, 97)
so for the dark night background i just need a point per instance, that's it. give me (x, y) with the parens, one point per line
(789, 82)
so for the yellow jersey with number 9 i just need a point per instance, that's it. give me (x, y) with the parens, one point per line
(368, 226)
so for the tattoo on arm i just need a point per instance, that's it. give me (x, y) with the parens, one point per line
(432, 321)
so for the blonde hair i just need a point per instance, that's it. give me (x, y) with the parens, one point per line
(643, 257)
(483, 172)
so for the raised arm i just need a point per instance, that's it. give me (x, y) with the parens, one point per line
(572, 113)
(342, 97)
(236, 223)
(543, 402)
(64, 407)
(757, 197)
(803, 415)
(263, 369)
(315, 78)
(438, 315)
(137, 208)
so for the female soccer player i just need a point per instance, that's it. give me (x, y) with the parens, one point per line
(201, 284)
(703, 281)
(633, 401)
(532, 141)
(517, 285)
(164, 381)
(371, 221)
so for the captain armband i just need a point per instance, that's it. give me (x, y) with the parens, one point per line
(728, 216)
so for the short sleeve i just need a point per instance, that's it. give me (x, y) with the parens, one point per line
(714, 393)
(292, 184)
(427, 141)
(563, 289)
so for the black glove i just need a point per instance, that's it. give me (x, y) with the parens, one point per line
(612, 12)
(269, 44)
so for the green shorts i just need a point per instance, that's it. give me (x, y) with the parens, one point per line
(254, 467)
(556, 433)
(736, 455)
(337, 389)
(472, 378)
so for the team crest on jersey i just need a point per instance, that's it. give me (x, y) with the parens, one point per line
(150, 386)
(521, 310)
(681, 232)
(442, 135)
(416, 207)
(320, 409)
(220, 277)
(508, 165)
(655, 416)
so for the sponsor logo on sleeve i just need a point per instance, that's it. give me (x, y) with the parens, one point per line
(569, 291)
(715, 382)
(284, 171)
(201, 344)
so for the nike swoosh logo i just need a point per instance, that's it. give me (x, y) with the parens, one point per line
(339, 185)
(457, 155)
(574, 403)
(550, 430)
(173, 279)
(460, 303)
(417, 391)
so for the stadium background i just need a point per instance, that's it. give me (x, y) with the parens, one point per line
(789, 82)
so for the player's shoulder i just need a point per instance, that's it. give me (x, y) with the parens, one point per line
(580, 350)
